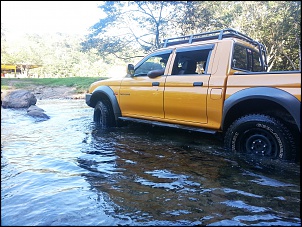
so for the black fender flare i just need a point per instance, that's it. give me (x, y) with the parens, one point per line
(283, 98)
(105, 91)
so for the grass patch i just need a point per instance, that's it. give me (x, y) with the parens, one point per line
(80, 83)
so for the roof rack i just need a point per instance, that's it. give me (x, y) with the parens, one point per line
(219, 34)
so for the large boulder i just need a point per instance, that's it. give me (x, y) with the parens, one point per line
(19, 99)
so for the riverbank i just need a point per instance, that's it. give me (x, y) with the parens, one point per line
(49, 88)
(43, 92)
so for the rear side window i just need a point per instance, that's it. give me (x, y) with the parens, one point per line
(246, 59)
(192, 60)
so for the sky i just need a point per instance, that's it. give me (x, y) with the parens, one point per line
(40, 17)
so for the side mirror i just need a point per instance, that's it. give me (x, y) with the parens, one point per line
(156, 73)
(130, 70)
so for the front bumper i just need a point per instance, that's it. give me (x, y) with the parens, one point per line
(87, 99)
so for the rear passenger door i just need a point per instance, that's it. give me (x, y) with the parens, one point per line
(185, 95)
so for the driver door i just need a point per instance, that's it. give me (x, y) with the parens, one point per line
(142, 96)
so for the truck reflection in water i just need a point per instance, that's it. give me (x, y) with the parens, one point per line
(157, 176)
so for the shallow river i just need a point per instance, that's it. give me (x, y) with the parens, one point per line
(63, 171)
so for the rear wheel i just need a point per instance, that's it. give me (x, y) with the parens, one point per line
(262, 136)
(103, 115)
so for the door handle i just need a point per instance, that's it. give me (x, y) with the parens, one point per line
(155, 83)
(198, 84)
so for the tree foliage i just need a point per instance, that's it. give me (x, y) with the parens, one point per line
(132, 29)
(141, 25)
(276, 24)
(58, 54)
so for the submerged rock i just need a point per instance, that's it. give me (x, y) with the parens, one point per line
(38, 114)
(34, 107)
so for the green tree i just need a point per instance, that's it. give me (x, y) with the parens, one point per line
(276, 24)
(131, 28)
(59, 55)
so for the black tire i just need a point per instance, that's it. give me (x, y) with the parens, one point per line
(103, 115)
(260, 135)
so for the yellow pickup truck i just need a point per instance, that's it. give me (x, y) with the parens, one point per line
(214, 82)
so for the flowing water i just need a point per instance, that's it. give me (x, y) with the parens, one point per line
(64, 171)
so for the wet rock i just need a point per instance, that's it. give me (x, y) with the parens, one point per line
(34, 107)
(38, 114)
(19, 99)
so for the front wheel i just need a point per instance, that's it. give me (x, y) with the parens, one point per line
(260, 135)
(103, 115)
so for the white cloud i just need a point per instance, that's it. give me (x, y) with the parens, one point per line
(73, 17)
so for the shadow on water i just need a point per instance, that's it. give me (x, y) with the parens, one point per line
(162, 176)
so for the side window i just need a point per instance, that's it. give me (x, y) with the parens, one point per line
(191, 61)
(256, 62)
(239, 60)
(246, 59)
(154, 62)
